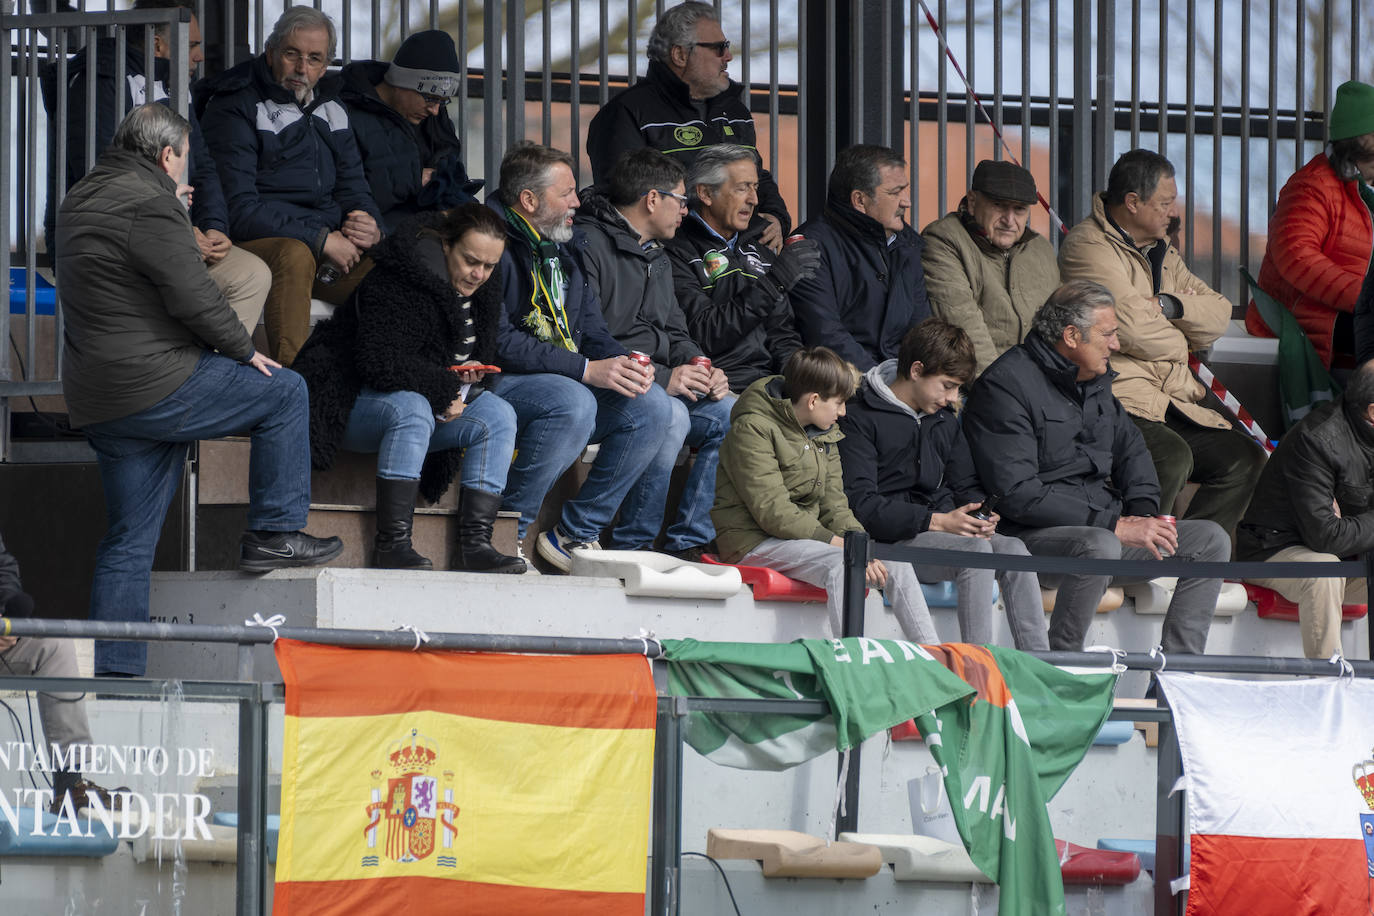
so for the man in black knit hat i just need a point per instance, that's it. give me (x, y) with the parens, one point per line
(399, 115)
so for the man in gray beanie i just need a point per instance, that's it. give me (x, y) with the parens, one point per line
(398, 112)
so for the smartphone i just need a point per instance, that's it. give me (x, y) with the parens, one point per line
(985, 510)
(474, 368)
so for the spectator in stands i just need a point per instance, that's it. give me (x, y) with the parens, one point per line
(242, 276)
(153, 360)
(686, 103)
(732, 290)
(291, 172)
(568, 379)
(383, 377)
(1075, 477)
(1165, 313)
(986, 270)
(629, 271)
(910, 479)
(779, 495)
(1320, 236)
(399, 115)
(870, 289)
(1314, 503)
(63, 715)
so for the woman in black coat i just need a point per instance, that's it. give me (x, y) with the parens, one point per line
(384, 377)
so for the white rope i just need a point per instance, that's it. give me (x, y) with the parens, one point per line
(1118, 655)
(839, 807)
(420, 636)
(1347, 669)
(1158, 652)
(271, 623)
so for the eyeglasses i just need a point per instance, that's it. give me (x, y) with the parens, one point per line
(720, 47)
(434, 99)
(681, 199)
(313, 61)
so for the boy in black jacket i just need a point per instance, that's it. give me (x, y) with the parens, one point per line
(910, 479)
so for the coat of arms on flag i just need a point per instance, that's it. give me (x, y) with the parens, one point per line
(410, 804)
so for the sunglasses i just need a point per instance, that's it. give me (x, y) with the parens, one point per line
(719, 47)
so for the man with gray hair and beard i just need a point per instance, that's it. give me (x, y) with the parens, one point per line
(568, 379)
(154, 360)
(291, 172)
(1072, 471)
(684, 104)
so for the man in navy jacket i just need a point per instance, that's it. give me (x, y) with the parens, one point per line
(291, 172)
(568, 379)
(870, 288)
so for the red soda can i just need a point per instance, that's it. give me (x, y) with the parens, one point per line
(642, 358)
(702, 361)
(1173, 522)
(796, 237)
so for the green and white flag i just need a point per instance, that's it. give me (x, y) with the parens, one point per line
(1006, 728)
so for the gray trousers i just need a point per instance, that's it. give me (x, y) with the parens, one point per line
(822, 565)
(63, 714)
(1190, 612)
(1020, 590)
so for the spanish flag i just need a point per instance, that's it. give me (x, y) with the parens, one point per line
(459, 782)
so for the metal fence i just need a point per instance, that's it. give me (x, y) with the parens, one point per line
(1236, 93)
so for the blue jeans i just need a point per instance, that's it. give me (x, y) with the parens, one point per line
(701, 424)
(141, 457)
(400, 427)
(553, 411)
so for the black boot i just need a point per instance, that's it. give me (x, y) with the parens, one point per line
(476, 515)
(395, 519)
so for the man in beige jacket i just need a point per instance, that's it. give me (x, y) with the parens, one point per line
(1164, 312)
(986, 270)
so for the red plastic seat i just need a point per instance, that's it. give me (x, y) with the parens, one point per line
(905, 731)
(1096, 866)
(1273, 606)
(771, 585)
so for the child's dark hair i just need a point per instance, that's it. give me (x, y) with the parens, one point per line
(820, 370)
(940, 347)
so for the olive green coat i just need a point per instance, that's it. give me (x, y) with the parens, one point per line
(992, 294)
(775, 481)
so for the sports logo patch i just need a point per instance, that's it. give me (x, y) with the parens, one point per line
(688, 135)
(716, 263)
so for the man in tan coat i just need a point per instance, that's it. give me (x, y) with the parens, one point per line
(1164, 312)
(986, 270)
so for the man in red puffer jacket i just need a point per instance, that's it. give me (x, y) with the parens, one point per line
(1321, 235)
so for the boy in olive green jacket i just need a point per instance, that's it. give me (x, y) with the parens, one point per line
(780, 499)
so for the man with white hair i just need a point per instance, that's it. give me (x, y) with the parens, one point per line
(292, 174)
(155, 359)
(569, 380)
(684, 104)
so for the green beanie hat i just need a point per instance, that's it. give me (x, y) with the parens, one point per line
(1353, 113)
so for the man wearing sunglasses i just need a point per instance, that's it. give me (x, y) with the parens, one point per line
(399, 115)
(684, 104)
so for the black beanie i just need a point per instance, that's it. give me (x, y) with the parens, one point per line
(426, 62)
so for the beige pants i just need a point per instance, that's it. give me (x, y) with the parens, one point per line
(244, 279)
(1319, 600)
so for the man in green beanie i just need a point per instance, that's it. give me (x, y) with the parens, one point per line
(1321, 234)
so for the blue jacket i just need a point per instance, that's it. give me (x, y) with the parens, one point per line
(867, 293)
(287, 172)
(517, 349)
(394, 151)
(208, 209)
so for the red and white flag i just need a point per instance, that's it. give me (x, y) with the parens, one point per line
(1280, 779)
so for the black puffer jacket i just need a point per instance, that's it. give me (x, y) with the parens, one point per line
(635, 286)
(1059, 451)
(1327, 457)
(867, 293)
(394, 151)
(739, 317)
(659, 111)
(398, 332)
(897, 471)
